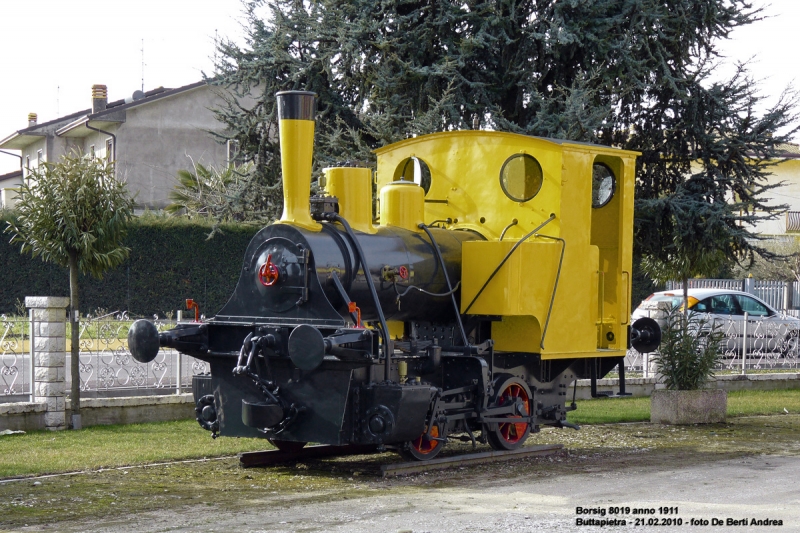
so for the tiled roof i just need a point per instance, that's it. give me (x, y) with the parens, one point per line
(116, 105)
(788, 150)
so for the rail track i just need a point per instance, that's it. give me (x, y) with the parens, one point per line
(276, 457)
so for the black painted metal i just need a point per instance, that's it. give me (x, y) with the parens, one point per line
(274, 457)
(645, 335)
(306, 347)
(393, 412)
(439, 258)
(320, 380)
(261, 414)
(191, 339)
(201, 386)
(622, 391)
(229, 391)
(296, 297)
(296, 105)
(143, 341)
(593, 377)
(331, 252)
(388, 349)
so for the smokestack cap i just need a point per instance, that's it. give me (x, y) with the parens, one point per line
(296, 105)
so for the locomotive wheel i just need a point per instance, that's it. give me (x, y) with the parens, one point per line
(423, 448)
(510, 435)
(287, 445)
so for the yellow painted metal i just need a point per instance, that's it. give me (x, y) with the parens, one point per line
(525, 287)
(402, 205)
(396, 329)
(591, 303)
(353, 187)
(402, 371)
(297, 150)
(465, 169)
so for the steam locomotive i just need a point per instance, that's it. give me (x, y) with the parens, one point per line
(498, 274)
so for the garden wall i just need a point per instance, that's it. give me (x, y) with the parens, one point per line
(29, 416)
(728, 382)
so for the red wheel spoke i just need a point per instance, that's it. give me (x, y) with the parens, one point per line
(513, 432)
(425, 445)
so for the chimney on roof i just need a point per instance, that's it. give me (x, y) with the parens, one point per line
(33, 118)
(99, 98)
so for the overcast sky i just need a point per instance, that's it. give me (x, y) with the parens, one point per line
(53, 51)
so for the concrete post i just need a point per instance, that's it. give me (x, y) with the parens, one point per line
(749, 285)
(788, 293)
(50, 356)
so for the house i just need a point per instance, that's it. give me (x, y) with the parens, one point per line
(8, 188)
(787, 172)
(150, 135)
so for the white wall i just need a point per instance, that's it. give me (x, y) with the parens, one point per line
(161, 138)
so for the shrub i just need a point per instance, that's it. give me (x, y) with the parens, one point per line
(689, 350)
(171, 259)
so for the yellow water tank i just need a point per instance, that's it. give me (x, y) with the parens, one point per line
(353, 188)
(402, 205)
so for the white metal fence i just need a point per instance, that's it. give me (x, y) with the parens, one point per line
(755, 344)
(15, 360)
(106, 366)
(782, 295)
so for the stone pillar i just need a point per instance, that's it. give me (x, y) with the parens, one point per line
(50, 356)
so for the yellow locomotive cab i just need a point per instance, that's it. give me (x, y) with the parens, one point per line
(557, 215)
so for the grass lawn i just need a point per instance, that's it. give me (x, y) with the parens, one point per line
(97, 447)
(42, 452)
(740, 403)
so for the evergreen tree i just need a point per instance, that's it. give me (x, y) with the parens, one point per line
(629, 73)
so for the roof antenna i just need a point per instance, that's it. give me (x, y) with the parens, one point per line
(142, 50)
(58, 106)
(216, 47)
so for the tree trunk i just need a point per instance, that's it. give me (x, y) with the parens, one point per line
(685, 281)
(75, 392)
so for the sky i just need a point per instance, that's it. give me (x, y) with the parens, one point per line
(53, 51)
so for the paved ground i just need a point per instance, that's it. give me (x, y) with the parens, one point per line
(681, 474)
(763, 487)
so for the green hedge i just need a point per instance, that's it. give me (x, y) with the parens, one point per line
(171, 260)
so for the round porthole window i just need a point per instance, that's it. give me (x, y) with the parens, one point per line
(604, 184)
(521, 177)
(416, 170)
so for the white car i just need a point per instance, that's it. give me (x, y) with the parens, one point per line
(768, 330)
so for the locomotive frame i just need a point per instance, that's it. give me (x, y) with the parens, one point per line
(498, 274)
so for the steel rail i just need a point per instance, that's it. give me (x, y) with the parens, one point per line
(275, 457)
(400, 469)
